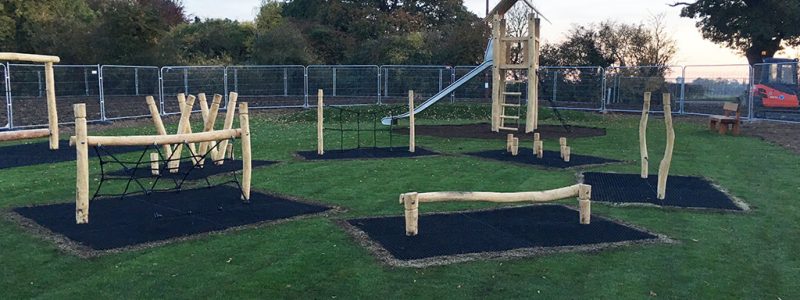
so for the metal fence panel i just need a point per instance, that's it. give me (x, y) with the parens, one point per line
(343, 85)
(771, 91)
(125, 88)
(268, 86)
(4, 112)
(425, 81)
(571, 87)
(626, 85)
(191, 80)
(478, 89)
(73, 84)
(707, 88)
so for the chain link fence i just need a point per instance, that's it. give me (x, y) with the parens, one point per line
(118, 92)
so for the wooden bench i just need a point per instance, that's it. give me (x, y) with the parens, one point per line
(730, 116)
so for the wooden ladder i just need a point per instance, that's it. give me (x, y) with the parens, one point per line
(516, 107)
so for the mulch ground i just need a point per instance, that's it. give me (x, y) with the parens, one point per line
(483, 131)
(210, 169)
(550, 159)
(507, 232)
(682, 191)
(786, 135)
(147, 220)
(365, 153)
(21, 155)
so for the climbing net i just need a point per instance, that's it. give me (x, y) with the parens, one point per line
(135, 171)
(362, 119)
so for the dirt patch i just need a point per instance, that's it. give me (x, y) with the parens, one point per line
(786, 135)
(483, 131)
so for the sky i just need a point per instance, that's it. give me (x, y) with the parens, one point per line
(692, 48)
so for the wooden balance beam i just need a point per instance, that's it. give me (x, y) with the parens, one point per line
(412, 200)
(82, 141)
(52, 111)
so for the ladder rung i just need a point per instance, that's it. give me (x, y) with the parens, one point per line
(508, 128)
(515, 81)
(510, 117)
(515, 38)
(510, 105)
(512, 93)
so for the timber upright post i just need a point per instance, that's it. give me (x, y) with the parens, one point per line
(663, 170)
(320, 123)
(412, 144)
(154, 114)
(82, 165)
(643, 135)
(210, 120)
(411, 204)
(532, 116)
(52, 111)
(247, 166)
(154, 166)
(584, 203)
(230, 110)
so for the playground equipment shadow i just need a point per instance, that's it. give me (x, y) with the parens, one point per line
(141, 221)
(210, 169)
(521, 231)
(483, 131)
(30, 154)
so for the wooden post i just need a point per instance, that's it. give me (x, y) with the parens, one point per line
(496, 77)
(562, 142)
(52, 111)
(82, 165)
(515, 146)
(584, 203)
(320, 123)
(229, 152)
(412, 144)
(208, 124)
(567, 151)
(154, 114)
(203, 102)
(174, 162)
(535, 143)
(509, 141)
(532, 119)
(247, 166)
(663, 170)
(154, 166)
(643, 135)
(188, 128)
(539, 145)
(409, 201)
(231, 110)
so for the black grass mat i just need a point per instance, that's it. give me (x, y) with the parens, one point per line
(550, 159)
(380, 152)
(141, 219)
(210, 169)
(537, 228)
(682, 191)
(21, 155)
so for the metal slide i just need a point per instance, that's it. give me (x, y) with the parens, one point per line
(449, 89)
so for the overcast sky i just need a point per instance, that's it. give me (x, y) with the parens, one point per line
(562, 13)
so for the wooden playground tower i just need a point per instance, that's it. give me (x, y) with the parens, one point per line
(502, 110)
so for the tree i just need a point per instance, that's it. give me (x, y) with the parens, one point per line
(757, 28)
(209, 42)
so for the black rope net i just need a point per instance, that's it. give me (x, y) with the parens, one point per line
(135, 173)
(362, 119)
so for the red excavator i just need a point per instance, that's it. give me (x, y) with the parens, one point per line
(776, 87)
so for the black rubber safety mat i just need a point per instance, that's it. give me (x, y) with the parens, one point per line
(142, 219)
(361, 153)
(682, 191)
(210, 169)
(537, 227)
(21, 155)
(550, 159)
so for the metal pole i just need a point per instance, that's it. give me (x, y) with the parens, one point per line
(236, 80)
(161, 90)
(9, 107)
(225, 86)
(185, 80)
(86, 80)
(440, 79)
(101, 93)
(136, 80)
(750, 87)
(334, 82)
(379, 85)
(39, 80)
(683, 90)
(285, 82)
(305, 87)
(555, 85)
(453, 80)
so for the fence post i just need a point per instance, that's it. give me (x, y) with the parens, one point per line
(235, 80)
(9, 106)
(453, 80)
(285, 82)
(602, 89)
(334, 82)
(186, 81)
(379, 83)
(750, 88)
(161, 90)
(136, 79)
(86, 80)
(39, 81)
(440, 80)
(555, 85)
(225, 85)
(385, 82)
(305, 87)
(101, 92)
(683, 90)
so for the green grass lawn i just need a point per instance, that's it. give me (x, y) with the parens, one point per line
(718, 255)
